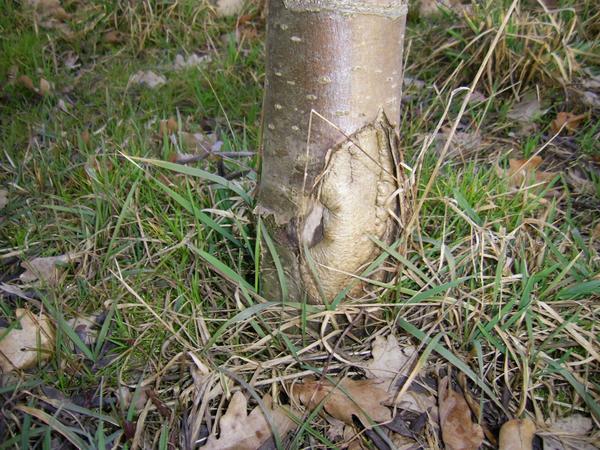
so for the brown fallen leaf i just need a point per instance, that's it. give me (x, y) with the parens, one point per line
(570, 433)
(568, 120)
(517, 435)
(168, 126)
(26, 82)
(361, 398)
(390, 363)
(114, 37)
(459, 432)
(45, 88)
(85, 137)
(389, 360)
(527, 109)
(48, 9)
(524, 172)
(21, 347)
(239, 431)
(46, 269)
(126, 397)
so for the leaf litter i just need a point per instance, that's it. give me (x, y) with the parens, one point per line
(47, 269)
(459, 432)
(29, 340)
(517, 435)
(148, 78)
(239, 430)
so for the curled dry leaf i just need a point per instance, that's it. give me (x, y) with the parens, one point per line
(459, 432)
(46, 269)
(193, 60)
(168, 126)
(148, 78)
(389, 360)
(361, 398)
(524, 172)
(517, 435)
(27, 83)
(567, 121)
(3, 198)
(463, 142)
(239, 431)
(85, 137)
(21, 348)
(527, 110)
(570, 433)
(86, 327)
(114, 37)
(45, 88)
(126, 397)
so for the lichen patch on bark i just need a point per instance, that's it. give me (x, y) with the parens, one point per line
(349, 205)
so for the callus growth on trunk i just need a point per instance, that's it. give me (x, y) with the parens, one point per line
(329, 179)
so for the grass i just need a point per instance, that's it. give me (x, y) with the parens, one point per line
(499, 282)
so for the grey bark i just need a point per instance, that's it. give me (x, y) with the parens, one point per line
(327, 186)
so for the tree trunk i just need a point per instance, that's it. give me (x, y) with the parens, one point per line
(329, 179)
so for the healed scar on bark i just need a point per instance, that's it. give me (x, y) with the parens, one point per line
(349, 204)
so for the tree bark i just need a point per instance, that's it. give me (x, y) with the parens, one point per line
(329, 179)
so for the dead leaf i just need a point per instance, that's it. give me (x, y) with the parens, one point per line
(239, 431)
(21, 348)
(86, 327)
(389, 360)
(527, 110)
(226, 8)
(193, 60)
(517, 435)
(148, 78)
(3, 198)
(85, 137)
(71, 60)
(200, 142)
(26, 82)
(568, 120)
(125, 397)
(48, 9)
(45, 87)
(114, 37)
(361, 398)
(459, 432)
(46, 269)
(463, 142)
(570, 433)
(524, 172)
(168, 126)
(591, 99)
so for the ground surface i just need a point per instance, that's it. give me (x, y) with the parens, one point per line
(154, 311)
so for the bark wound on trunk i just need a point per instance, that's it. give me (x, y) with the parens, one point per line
(342, 59)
